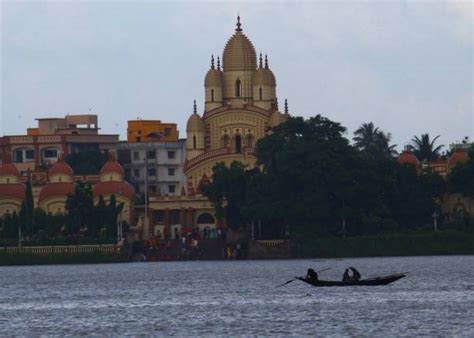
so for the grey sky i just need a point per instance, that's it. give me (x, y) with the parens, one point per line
(406, 66)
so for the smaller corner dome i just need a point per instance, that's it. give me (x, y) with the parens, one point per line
(61, 167)
(275, 119)
(9, 169)
(15, 190)
(195, 123)
(112, 166)
(213, 78)
(117, 188)
(264, 77)
(459, 155)
(407, 157)
(58, 189)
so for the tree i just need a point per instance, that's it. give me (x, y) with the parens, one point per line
(461, 179)
(425, 149)
(227, 192)
(371, 140)
(27, 211)
(86, 162)
(79, 208)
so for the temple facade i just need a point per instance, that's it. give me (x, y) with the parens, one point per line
(240, 107)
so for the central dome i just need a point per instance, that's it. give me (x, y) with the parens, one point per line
(239, 53)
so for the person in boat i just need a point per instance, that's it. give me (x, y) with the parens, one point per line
(355, 274)
(346, 277)
(312, 275)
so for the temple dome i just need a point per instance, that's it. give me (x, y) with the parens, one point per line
(9, 169)
(213, 78)
(239, 53)
(407, 157)
(61, 167)
(58, 189)
(264, 77)
(14, 190)
(112, 166)
(195, 123)
(459, 155)
(275, 119)
(117, 188)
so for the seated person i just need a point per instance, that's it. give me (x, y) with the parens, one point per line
(346, 277)
(312, 275)
(355, 274)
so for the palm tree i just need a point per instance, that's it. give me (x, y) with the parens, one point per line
(371, 139)
(425, 149)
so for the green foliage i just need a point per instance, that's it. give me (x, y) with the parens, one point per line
(461, 179)
(371, 140)
(79, 208)
(27, 211)
(424, 147)
(86, 162)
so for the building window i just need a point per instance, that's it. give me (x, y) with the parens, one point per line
(136, 155)
(238, 88)
(167, 131)
(50, 153)
(171, 188)
(152, 172)
(136, 172)
(212, 95)
(160, 217)
(24, 155)
(171, 171)
(152, 189)
(260, 93)
(151, 155)
(194, 141)
(171, 154)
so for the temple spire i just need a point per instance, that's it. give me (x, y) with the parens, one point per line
(212, 61)
(218, 63)
(195, 107)
(266, 61)
(260, 61)
(286, 106)
(276, 103)
(239, 25)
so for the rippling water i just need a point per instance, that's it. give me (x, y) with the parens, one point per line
(239, 297)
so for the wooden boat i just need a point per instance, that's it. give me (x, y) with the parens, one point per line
(383, 280)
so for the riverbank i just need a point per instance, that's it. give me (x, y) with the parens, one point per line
(410, 244)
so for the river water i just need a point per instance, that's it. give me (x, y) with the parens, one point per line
(239, 298)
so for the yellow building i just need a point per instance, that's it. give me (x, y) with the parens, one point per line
(151, 131)
(240, 108)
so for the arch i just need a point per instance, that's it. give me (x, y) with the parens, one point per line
(225, 140)
(260, 95)
(175, 217)
(238, 88)
(249, 141)
(205, 218)
(238, 144)
(194, 141)
(212, 95)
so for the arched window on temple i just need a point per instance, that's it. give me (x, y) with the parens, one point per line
(225, 141)
(212, 95)
(194, 141)
(205, 218)
(238, 88)
(249, 141)
(238, 144)
(260, 93)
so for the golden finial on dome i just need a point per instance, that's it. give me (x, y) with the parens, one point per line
(286, 106)
(195, 107)
(212, 61)
(266, 61)
(218, 63)
(276, 103)
(239, 25)
(260, 61)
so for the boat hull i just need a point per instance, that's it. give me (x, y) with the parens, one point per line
(384, 280)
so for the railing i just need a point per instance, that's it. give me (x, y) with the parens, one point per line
(108, 249)
(273, 243)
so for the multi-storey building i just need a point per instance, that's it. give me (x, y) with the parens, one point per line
(53, 138)
(156, 165)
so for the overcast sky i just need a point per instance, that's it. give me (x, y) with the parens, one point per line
(406, 66)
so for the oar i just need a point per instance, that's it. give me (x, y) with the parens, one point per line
(296, 278)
